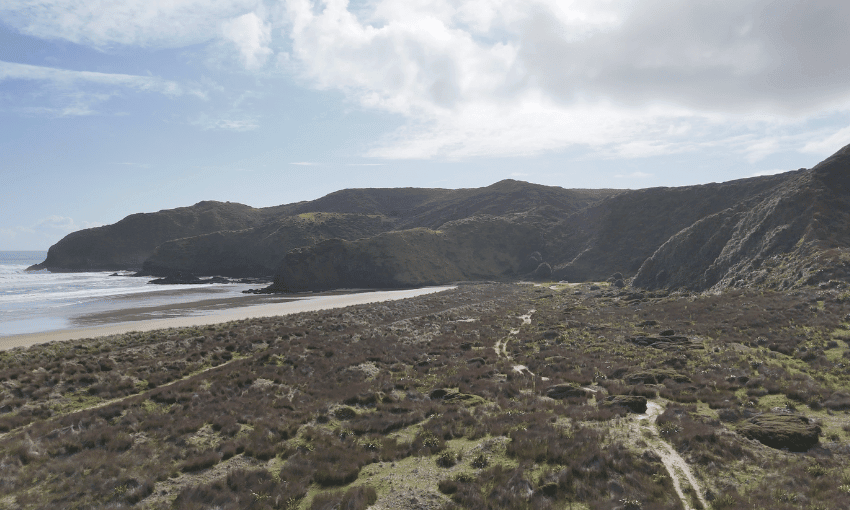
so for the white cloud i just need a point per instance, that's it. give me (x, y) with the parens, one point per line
(226, 123)
(15, 71)
(63, 224)
(829, 144)
(251, 36)
(763, 173)
(77, 93)
(627, 78)
(303, 163)
(623, 78)
(105, 23)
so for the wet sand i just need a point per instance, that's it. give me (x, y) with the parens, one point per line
(214, 311)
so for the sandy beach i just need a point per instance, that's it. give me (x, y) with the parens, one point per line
(214, 312)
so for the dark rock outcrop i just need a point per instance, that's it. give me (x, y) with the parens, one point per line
(634, 403)
(794, 432)
(562, 391)
(655, 376)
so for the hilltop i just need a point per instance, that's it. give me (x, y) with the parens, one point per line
(779, 231)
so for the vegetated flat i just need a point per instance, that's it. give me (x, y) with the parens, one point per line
(447, 401)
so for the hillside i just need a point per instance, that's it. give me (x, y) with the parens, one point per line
(624, 230)
(258, 251)
(796, 234)
(127, 243)
(212, 238)
(778, 231)
(614, 234)
(471, 249)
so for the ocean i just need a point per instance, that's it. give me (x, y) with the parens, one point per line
(34, 302)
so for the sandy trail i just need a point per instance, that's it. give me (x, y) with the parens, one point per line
(674, 463)
(501, 346)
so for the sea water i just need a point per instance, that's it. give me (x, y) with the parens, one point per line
(37, 301)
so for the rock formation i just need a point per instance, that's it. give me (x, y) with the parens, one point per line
(777, 231)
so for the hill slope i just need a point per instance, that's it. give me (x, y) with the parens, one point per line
(127, 243)
(796, 234)
(777, 231)
(471, 249)
(258, 251)
(211, 238)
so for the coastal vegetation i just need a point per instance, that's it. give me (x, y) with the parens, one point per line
(486, 396)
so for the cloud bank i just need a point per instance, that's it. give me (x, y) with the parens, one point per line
(473, 78)
(633, 78)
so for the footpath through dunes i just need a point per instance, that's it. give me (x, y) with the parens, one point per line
(684, 481)
(417, 403)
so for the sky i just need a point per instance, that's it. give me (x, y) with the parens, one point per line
(113, 107)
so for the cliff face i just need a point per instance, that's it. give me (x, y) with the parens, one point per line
(258, 251)
(777, 231)
(470, 249)
(212, 238)
(621, 232)
(127, 243)
(795, 234)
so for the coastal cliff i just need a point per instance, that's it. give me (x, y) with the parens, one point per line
(127, 243)
(778, 231)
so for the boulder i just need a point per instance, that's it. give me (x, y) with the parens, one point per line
(178, 278)
(792, 431)
(464, 399)
(449, 396)
(655, 376)
(438, 393)
(562, 391)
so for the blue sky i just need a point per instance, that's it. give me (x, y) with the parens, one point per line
(108, 108)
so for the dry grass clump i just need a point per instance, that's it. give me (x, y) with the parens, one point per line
(242, 488)
(357, 498)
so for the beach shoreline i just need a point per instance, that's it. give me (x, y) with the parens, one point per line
(217, 311)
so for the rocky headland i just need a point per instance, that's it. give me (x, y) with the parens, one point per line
(780, 231)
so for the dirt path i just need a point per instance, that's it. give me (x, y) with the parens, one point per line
(501, 346)
(680, 472)
(105, 403)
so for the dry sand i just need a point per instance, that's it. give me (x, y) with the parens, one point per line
(300, 304)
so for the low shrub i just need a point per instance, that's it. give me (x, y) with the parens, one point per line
(197, 461)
